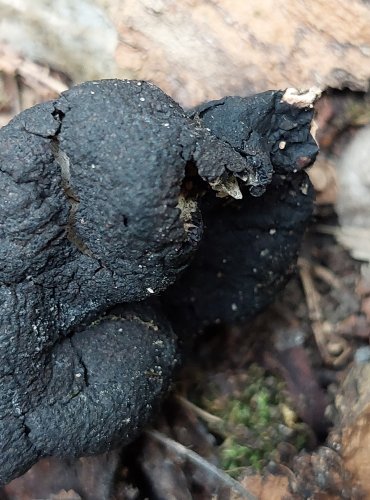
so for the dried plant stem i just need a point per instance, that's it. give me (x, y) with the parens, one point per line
(199, 461)
(322, 330)
(214, 423)
(33, 73)
(328, 276)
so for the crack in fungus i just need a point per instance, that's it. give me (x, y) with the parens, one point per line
(63, 161)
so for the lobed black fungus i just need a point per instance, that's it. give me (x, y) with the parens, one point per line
(250, 246)
(269, 132)
(94, 380)
(103, 194)
(90, 391)
(247, 254)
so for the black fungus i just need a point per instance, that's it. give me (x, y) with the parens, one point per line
(250, 246)
(247, 254)
(106, 193)
(88, 392)
(272, 135)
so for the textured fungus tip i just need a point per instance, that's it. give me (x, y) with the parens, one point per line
(271, 131)
(104, 191)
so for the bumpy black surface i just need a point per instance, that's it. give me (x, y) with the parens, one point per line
(89, 219)
(96, 212)
(250, 246)
(270, 134)
(92, 391)
(247, 254)
(93, 183)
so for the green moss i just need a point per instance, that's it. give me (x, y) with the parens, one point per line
(257, 416)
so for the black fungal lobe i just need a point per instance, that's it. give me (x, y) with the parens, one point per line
(247, 254)
(96, 407)
(250, 246)
(109, 197)
(270, 134)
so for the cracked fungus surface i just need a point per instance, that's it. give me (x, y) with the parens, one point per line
(101, 206)
(111, 173)
(89, 220)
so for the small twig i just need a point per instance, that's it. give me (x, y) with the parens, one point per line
(314, 311)
(34, 72)
(196, 459)
(13, 64)
(320, 328)
(327, 276)
(324, 229)
(335, 230)
(11, 90)
(221, 427)
(214, 423)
